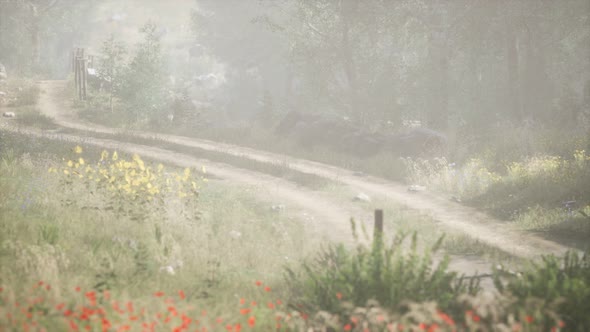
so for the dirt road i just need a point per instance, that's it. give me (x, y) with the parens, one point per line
(452, 215)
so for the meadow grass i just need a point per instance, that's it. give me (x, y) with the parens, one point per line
(77, 255)
(59, 229)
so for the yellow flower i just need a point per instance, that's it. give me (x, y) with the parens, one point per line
(160, 168)
(104, 155)
(81, 161)
(70, 163)
(115, 156)
(66, 172)
(77, 149)
(203, 169)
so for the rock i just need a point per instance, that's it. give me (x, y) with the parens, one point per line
(416, 188)
(456, 199)
(235, 234)
(168, 269)
(2, 94)
(278, 207)
(362, 197)
(9, 115)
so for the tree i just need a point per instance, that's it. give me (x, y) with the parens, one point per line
(112, 67)
(145, 84)
(36, 33)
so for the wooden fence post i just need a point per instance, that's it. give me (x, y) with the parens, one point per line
(80, 68)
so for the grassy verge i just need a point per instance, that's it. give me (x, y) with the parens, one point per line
(544, 194)
(62, 228)
(141, 249)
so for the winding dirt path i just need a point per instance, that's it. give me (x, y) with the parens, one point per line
(455, 217)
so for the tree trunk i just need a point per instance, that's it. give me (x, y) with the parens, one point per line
(35, 42)
(347, 9)
(439, 52)
(513, 84)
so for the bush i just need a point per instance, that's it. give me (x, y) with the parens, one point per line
(560, 282)
(387, 275)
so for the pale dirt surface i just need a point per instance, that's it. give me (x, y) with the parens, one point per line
(326, 217)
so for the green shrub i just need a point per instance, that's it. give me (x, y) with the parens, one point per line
(386, 274)
(565, 281)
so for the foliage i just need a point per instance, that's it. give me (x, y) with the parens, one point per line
(544, 192)
(469, 180)
(387, 275)
(144, 86)
(132, 188)
(36, 35)
(111, 66)
(560, 282)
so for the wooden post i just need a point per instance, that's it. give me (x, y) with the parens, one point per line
(77, 71)
(84, 74)
(378, 230)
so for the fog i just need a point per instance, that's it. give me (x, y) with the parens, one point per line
(464, 119)
(447, 64)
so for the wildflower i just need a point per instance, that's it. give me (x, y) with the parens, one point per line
(81, 161)
(159, 294)
(70, 163)
(347, 327)
(339, 296)
(181, 294)
(529, 319)
(252, 321)
(446, 318)
(77, 149)
(271, 305)
(115, 156)
(245, 311)
(267, 289)
(242, 301)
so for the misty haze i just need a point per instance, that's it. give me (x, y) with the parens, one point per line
(295, 165)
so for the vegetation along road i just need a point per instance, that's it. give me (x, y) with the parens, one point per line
(451, 215)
